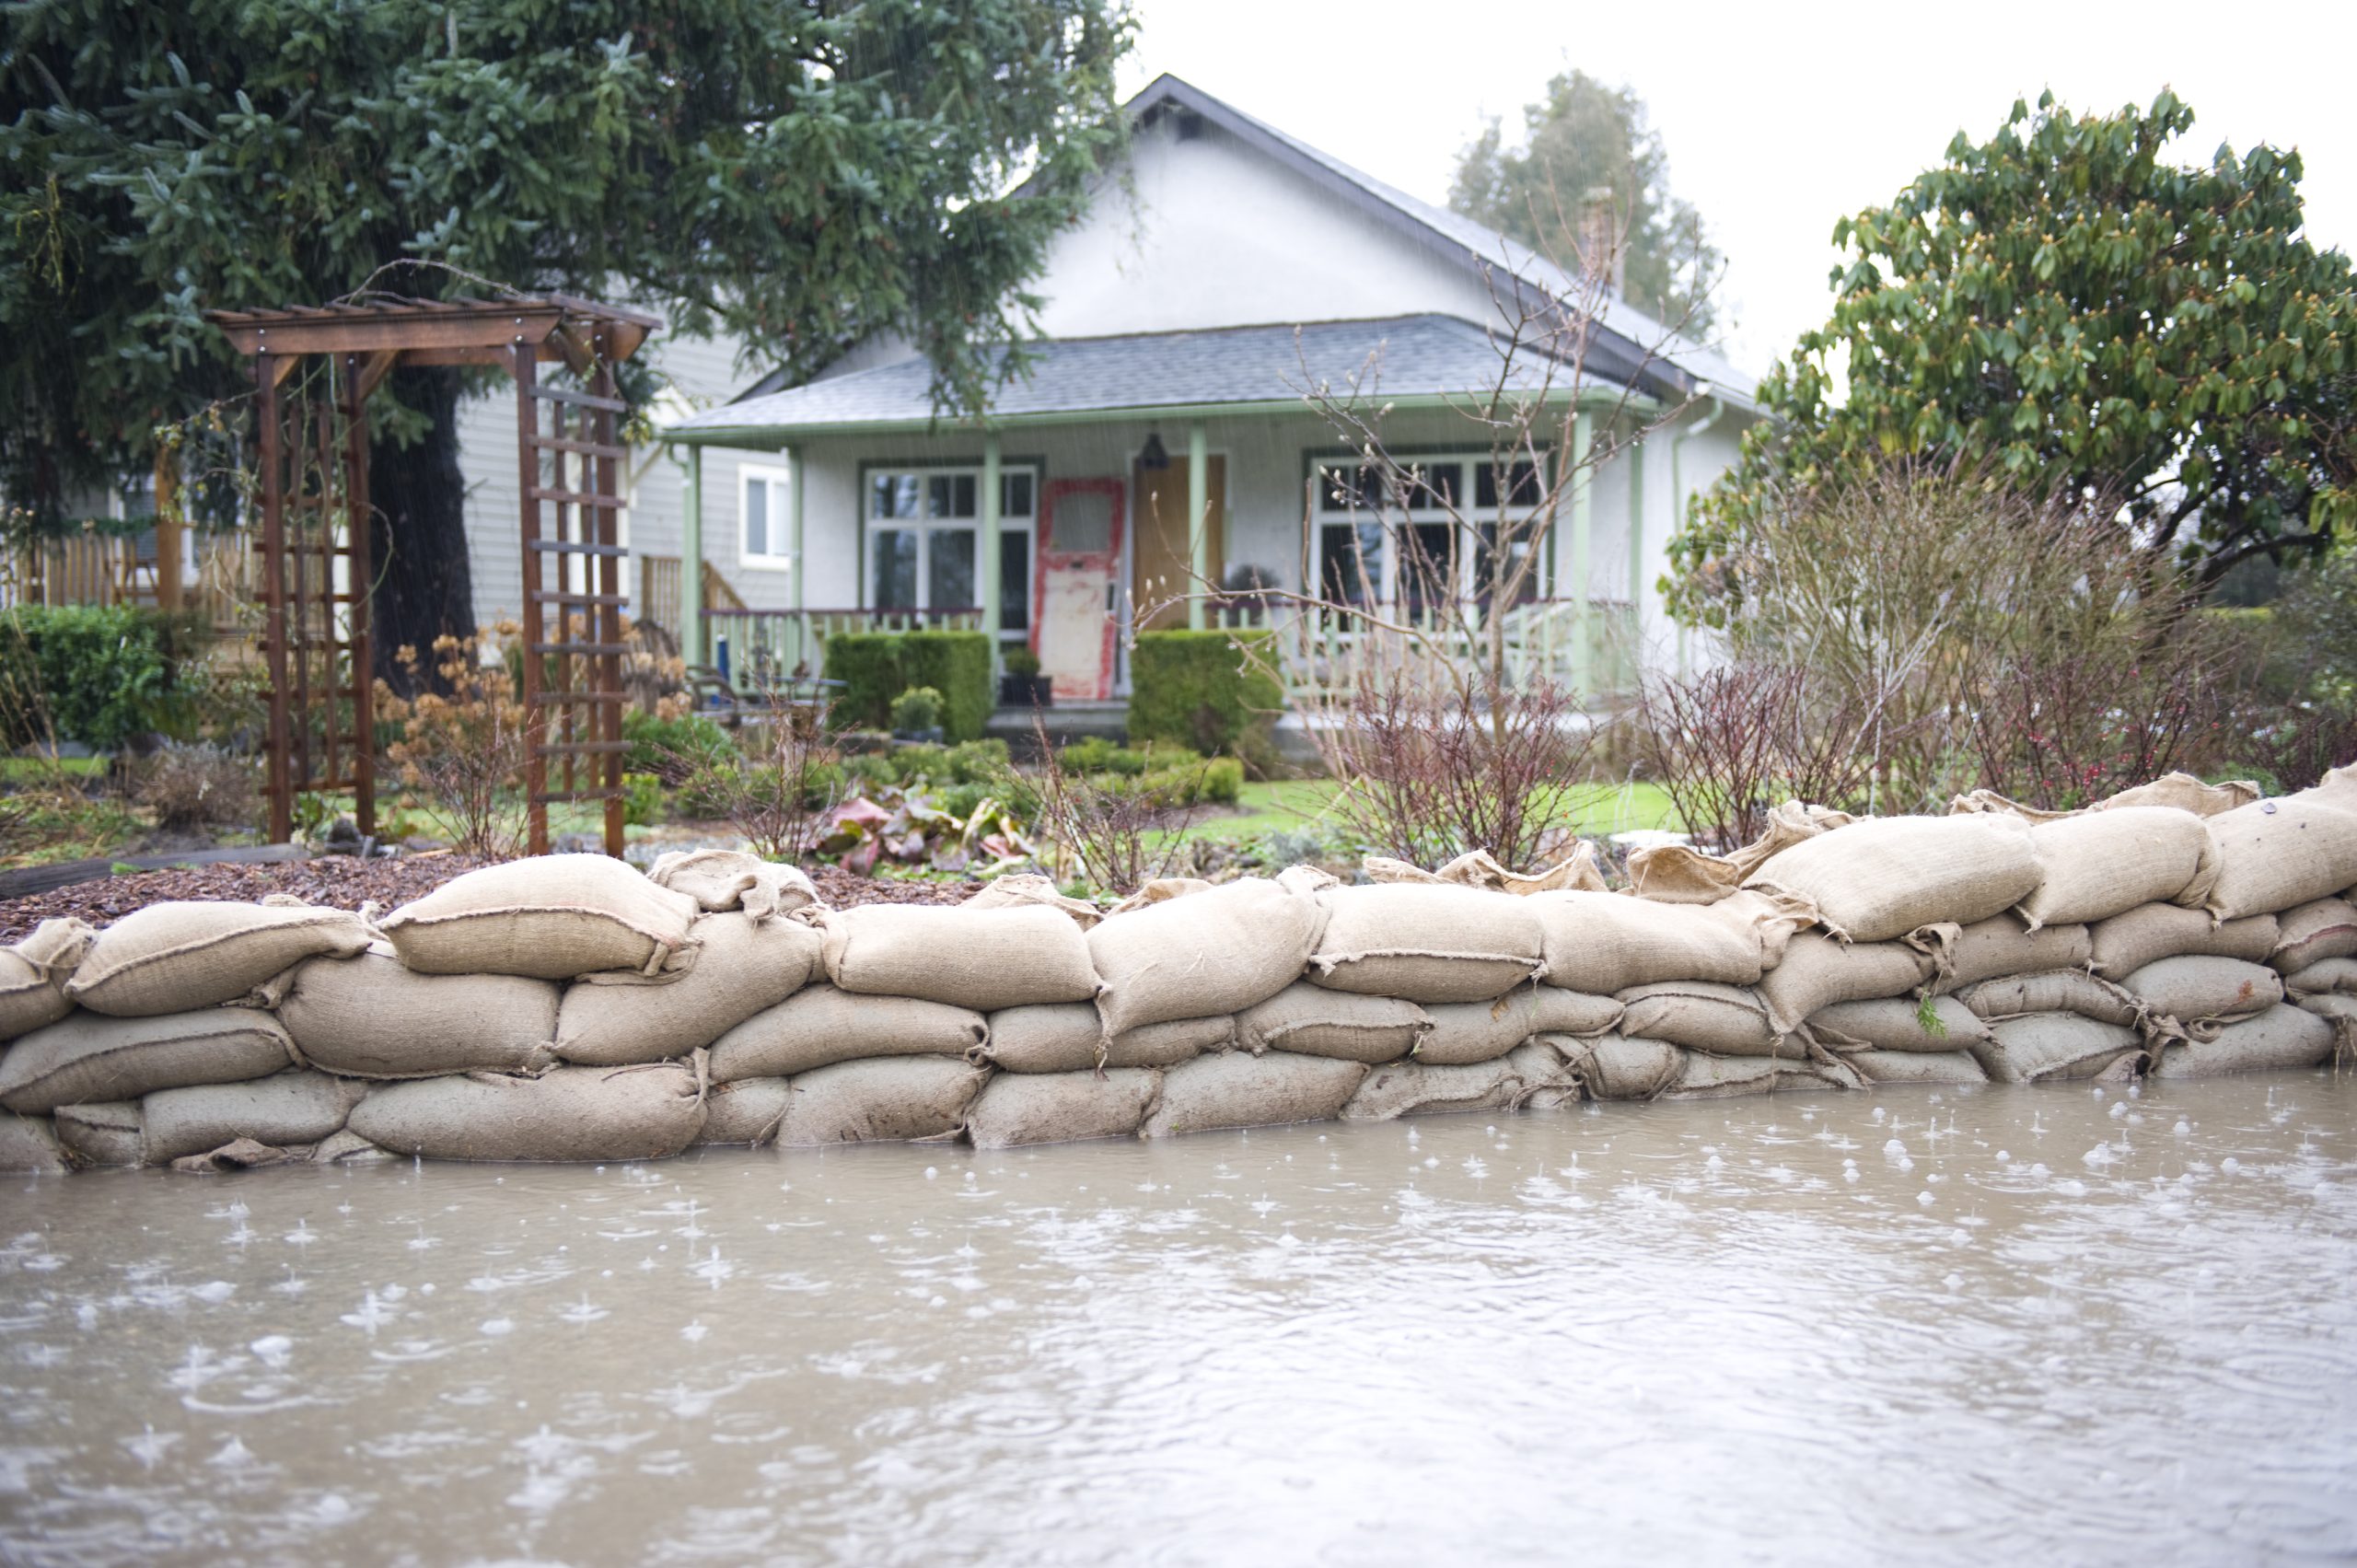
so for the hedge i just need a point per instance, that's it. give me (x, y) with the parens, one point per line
(876, 667)
(99, 675)
(1195, 689)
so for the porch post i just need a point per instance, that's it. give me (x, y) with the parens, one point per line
(692, 563)
(1198, 524)
(1583, 512)
(986, 557)
(1636, 556)
(802, 645)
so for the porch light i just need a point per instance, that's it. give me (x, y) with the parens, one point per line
(1154, 458)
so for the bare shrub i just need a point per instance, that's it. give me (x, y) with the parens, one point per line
(198, 785)
(1728, 744)
(783, 780)
(461, 746)
(1109, 832)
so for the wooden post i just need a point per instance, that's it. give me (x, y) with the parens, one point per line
(691, 646)
(359, 568)
(1199, 523)
(1583, 512)
(527, 496)
(605, 708)
(273, 592)
(168, 530)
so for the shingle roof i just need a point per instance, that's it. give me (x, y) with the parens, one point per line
(1402, 358)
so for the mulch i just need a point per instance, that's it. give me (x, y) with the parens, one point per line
(345, 882)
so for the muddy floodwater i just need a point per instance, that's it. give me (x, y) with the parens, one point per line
(2011, 1325)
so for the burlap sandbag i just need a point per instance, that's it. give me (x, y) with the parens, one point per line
(373, 1018)
(567, 1113)
(2128, 942)
(1999, 945)
(2034, 1046)
(2101, 864)
(1237, 1089)
(1067, 1036)
(721, 880)
(2325, 977)
(1479, 868)
(746, 1112)
(1881, 878)
(2193, 988)
(550, 917)
(2338, 1010)
(2323, 928)
(1216, 951)
(1700, 1015)
(2183, 792)
(33, 975)
(1413, 1088)
(105, 1134)
(28, 1146)
(819, 1026)
(985, 958)
(1613, 1066)
(172, 957)
(283, 1110)
(742, 966)
(2278, 1037)
(1916, 1066)
(348, 1147)
(88, 1058)
(1017, 1108)
(1680, 874)
(888, 1101)
(2053, 990)
(2274, 854)
(1988, 801)
(1704, 1076)
(1436, 942)
(1899, 1023)
(1025, 891)
(1466, 1032)
(1817, 971)
(1317, 1022)
(1604, 943)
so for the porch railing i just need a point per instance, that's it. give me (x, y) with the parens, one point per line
(1321, 652)
(766, 645)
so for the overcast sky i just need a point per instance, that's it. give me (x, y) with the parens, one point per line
(1778, 118)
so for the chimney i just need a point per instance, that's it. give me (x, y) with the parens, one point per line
(1602, 255)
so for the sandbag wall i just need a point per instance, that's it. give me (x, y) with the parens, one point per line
(570, 1008)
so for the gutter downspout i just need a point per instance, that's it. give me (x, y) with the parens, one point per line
(1677, 497)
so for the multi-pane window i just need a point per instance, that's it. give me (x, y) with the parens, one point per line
(1431, 533)
(923, 537)
(764, 517)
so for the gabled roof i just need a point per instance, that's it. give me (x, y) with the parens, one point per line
(1405, 361)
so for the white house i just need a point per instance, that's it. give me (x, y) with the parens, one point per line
(1226, 268)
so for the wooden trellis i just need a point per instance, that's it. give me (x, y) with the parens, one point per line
(317, 570)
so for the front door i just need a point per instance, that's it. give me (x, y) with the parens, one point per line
(1165, 556)
(1073, 615)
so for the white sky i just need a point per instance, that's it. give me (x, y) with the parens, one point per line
(1777, 117)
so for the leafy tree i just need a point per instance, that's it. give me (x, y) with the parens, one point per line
(2068, 304)
(1583, 137)
(800, 174)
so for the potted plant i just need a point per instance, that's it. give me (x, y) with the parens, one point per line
(916, 714)
(1023, 686)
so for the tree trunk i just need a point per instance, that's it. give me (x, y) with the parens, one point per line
(418, 532)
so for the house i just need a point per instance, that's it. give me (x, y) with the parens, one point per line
(1225, 269)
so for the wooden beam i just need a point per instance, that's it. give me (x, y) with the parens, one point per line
(365, 332)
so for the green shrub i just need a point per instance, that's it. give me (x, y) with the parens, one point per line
(672, 748)
(642, 799)
(1195, 689)
(1095, 754)
(979, 761)
(101, 675)
(876, 666)
(916, 710)
(1219, 780)
(865, 772)
(922, 760)
(868, 664)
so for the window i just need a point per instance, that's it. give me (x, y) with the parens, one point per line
(1403, 544)
(923, 543)
(765, 518)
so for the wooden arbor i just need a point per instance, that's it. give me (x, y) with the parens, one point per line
(316, 566)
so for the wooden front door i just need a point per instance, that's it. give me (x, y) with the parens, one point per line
(1073, 616)
(1164, 574)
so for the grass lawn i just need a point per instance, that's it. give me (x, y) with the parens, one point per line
(1601, 809)
(40, 770)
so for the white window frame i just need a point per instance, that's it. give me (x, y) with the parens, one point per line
(925, 528)
(780, 478)
(1395, 522)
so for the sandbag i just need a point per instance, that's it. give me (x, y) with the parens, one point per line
(2335, 1009)
(890, 1099)
(2034, 1046)
(1017, 1108)
(33, 974)
(2278, 1037)
(1882, 877)
(1916, 1066)
(567, 1113)
(105, 1134)
(1613, 1066)
(1237, 1089)
(1066, 1036)
(550, 917)
(743, 965)
(1220, 950)
(1701, 1015)
(1466, 1032)
(2100, 864)
(2128, 942)
(348, 1147)
(1430, 943)
(1025, 889)
(285, 1109)
(172, 957)
(1317, 1022)
(1604, 943)
(86, 1057)
(2053, 990)
(1898, 1024)
(2274, 854)
(2324, 928)
(819, 1026)
(1413, 1088)
(2195, 988)
(2001, 945)
(745, 1112)
(2323, 978)
(28, 1146)
(1680, 874)
(1705, 1076)
(2183, 793)
(1817, 971)
(721, 879)
(1479, 868)
(371, 1017)
(981, 959)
